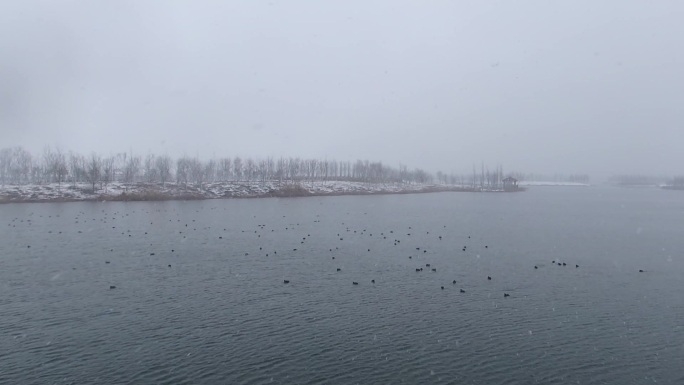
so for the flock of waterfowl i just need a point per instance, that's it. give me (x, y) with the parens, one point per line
(390, 237)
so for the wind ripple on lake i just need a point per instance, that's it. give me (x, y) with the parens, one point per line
(221, 313)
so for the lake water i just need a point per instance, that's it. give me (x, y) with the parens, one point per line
(200, 296)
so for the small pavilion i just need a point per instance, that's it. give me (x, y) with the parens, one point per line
(510, 184)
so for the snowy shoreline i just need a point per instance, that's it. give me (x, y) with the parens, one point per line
(81, 192)
(548, 184)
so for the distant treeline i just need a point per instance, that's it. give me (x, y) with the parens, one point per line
(638, 180)
(572, 178)
(676, 183)
(18, 166)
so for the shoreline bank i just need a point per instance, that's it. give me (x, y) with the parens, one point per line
(141, 192)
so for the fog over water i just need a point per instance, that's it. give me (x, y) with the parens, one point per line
(578, 87)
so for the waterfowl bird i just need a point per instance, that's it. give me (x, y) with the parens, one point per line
(442, 287)
(506, 295)
(535, 266)
(489, 278)
(641, 271)
(576, 266)
(372, 281)
(434, 269)
(286, 281)
(355, 283)
(112, 287)
(454, 282)
(462, 291)
(338, 269)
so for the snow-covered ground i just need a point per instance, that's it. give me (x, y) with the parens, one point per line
(233, 189)
(542, 183)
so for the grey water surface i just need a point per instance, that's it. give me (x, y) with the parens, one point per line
(198, 293)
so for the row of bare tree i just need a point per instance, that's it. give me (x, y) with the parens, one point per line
(18, 166)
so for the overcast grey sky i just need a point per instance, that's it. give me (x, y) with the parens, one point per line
(537, 86)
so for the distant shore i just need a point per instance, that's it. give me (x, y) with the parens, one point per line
(224, 190)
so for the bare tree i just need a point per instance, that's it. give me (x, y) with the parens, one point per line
(225, 170)
(93, 170)
(210, 171)
(131, 169)
(108, 171)
(55, 165)
(249, 169)
(183, 171)
(196, 172)
(22, 167)
(150, 169)
(281, 169)
(164, 168)
(75, 167)
(237, 168)
(5, 165)
(15, 165)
